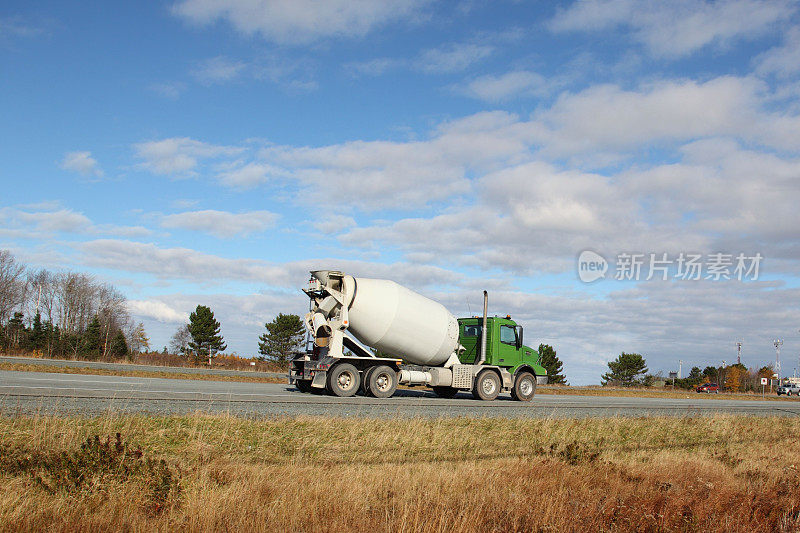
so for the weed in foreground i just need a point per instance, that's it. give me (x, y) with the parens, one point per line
(93, 468)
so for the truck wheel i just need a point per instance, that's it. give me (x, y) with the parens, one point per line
(303, 385)
(487, 386)
(445, 392)
(524, 387)
(382, 382)
(343, 380)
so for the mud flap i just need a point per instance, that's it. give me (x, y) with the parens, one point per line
(320, 378)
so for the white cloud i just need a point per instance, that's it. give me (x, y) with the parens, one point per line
(516, 83)
(178, 263)
(157, 310)
(82, 163)
(50, 217)
(218, 69)
(784, 60)
(178, 156)
(452, 58)
(674, 29)
(249, 175)
(299, 21)
(221, 224)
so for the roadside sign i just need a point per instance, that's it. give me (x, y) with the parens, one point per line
(763, 381)
(673, 375)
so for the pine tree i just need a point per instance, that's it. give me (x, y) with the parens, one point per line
(91, 339)
(550, 361)
(36, 338)
(283, 338)
(204, 329)
(628, 369)
(119, 346)
(15, 329)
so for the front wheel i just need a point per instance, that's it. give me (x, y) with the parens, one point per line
(487, 386)
(524, 387)
(343, 380)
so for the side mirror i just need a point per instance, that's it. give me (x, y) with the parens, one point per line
(519, 337)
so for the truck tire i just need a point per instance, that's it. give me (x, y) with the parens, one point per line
(487, 386)
(382, 382)
(524, 387)
(343, 380)
(445, 392)
(303, 385)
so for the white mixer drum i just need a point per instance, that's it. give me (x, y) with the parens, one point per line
(400, 322)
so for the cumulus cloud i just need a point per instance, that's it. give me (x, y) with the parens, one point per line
(51, 217)
(675, 29)
(221, 224)
(299, 21)
(783, 60)
(517, 83)
(82, 163)
(178, 156)
(245, 176)
(157, 310)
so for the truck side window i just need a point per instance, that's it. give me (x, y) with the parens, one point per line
(472, 331)
(508, 335)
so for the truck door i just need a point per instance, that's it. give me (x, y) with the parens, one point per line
(507, 353)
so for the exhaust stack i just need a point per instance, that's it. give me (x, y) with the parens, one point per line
(483, 329)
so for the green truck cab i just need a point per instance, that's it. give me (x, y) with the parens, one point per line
(504, 346)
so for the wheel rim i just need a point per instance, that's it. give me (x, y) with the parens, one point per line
(526, 386)
(383, 382)
(345, 380)
(488, 386)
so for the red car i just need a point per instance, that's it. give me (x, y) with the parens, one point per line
(708, 388)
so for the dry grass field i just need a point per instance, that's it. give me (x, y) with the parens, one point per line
(212, 473)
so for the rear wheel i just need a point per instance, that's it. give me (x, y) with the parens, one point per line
(524, 387)
(343, 380)
(445, 392)
(303, 385)
(382, 382)
(487, 386)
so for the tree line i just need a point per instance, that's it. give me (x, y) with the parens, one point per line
(630, 369)
(64, 314)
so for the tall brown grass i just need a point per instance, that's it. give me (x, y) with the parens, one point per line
(456, 474)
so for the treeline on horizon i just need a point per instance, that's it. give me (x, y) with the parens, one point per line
(630, 370)
(64, 314)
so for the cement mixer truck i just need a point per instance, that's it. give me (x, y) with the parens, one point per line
(372, 335)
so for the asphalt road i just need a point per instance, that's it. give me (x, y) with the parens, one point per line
(64, 394)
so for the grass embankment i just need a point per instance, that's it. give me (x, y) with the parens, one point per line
(321, 474)
(27, 367)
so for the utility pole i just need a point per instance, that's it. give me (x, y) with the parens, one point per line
(738, 352)
(777, 343)
(721, 383)
(680, 366)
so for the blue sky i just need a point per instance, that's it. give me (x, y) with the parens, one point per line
(210, 152)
